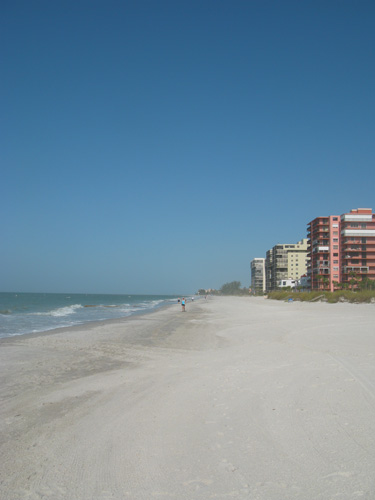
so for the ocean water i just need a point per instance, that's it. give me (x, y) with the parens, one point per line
(22, 313)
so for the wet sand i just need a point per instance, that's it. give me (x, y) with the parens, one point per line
(240, 398)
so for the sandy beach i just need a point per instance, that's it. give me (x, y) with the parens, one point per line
(240, 398)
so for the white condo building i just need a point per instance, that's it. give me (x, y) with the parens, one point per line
(258, 275)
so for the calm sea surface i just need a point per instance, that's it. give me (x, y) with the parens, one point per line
(22, 313)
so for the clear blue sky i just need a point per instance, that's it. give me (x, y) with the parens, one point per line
(159, 146)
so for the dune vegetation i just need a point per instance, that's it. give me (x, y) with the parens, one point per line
(353, 296)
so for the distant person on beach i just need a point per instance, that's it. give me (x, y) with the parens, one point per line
(183, 304)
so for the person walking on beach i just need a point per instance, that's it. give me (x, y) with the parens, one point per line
(183, 304)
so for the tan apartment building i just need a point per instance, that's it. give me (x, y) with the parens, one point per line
(286, 261)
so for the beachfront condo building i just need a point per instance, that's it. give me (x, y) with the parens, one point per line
(268, 269)
(258, 275)
(357, 246)
(285, 261)
(324, 266)
(341, 249)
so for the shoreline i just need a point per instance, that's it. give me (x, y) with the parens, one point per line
(114, 321)
(233, 398)
(23, 314)
(88, 324)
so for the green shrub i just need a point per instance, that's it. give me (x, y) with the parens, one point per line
(353, 296)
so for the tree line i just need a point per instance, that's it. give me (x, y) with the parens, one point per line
(232, 288)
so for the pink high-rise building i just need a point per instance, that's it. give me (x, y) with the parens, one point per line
(358, 245)
(324, 251)
(341, 249)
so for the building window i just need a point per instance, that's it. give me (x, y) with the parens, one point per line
(335, 247)
(335, 261)
(335, 254)
(335, 240)
(334, 218)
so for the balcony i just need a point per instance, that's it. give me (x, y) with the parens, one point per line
(280, 274)
(358, 232)
(357, 218)
(352, 242)
(356, 269)
(321, 249)
(317, 271)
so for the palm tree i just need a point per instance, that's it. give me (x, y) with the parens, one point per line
(353, 280)
(318, 278)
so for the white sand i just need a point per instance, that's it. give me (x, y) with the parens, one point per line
(239, 398)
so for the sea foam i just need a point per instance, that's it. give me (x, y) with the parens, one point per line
(61, 311)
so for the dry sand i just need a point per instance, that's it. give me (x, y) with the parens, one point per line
(239, 398)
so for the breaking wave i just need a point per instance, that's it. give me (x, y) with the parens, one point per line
(61, 311)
